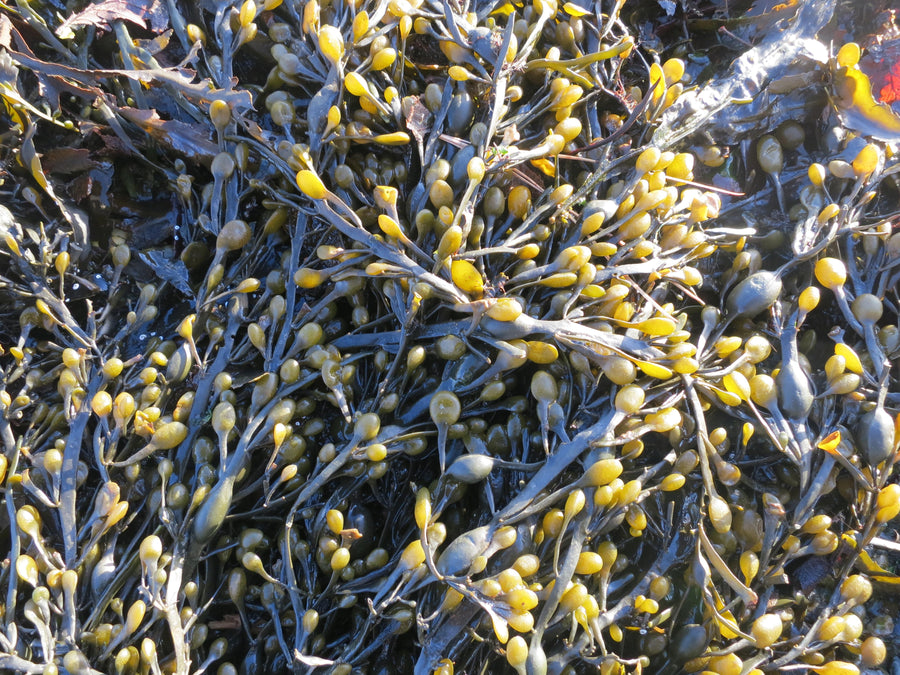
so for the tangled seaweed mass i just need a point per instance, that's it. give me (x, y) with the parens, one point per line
(397, 336)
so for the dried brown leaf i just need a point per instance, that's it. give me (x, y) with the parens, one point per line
(418, 120)
(68, 160)
(144, 13)
(178, 136)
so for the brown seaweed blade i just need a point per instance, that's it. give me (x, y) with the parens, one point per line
(413, 339)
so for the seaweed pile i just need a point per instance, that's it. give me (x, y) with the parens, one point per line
(417, 336)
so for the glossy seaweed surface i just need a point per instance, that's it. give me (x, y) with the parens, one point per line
(394, 336)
